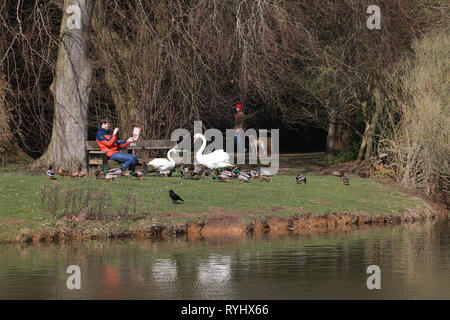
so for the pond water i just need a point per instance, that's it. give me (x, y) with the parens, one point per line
(414, 261)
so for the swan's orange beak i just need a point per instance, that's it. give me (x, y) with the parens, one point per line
(195, 139)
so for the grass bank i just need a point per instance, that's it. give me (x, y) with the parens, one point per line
(33, 207)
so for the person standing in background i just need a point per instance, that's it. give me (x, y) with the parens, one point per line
(239, 128)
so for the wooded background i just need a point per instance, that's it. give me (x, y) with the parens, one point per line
(311, 68)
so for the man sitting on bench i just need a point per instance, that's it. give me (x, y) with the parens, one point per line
(108, 143)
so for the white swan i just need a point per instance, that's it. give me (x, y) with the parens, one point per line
(213, 160)
(162, 164)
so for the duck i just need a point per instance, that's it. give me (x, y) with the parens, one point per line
(198, 170)
(345, 179)
(222, 177)
(265, 173)
(110, 177)
(226, 173)
(141, 173)
(138, 175)
(81, 172)
(214, 160)
(161, 164)
(116, 171)
(62, 172)
(236, 171)
(300, 179)
(337, 174)
(73, 174)
(112, 174)
(185, 168)
(51, 173)
(251, 173)
(98, 174)
(243, 177)
(126, 174)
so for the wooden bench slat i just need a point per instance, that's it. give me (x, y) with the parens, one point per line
(142, 144)
(94, 162)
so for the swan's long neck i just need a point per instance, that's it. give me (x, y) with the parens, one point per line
(202, 148)
(170, 158)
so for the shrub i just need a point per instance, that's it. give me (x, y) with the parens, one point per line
(417, 127)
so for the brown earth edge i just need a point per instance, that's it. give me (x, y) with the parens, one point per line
(224, 225)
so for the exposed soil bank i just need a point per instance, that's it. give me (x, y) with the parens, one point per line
(224, 224)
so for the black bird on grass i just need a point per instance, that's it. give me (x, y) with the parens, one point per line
(174, 196)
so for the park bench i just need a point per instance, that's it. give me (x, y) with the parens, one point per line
(97, 157)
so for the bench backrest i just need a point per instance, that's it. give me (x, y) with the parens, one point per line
(141, 144)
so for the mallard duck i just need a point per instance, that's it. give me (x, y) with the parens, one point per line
(73, 174)
(185, 169)
(62, 172)
(81, 172)
(112, 174)
(213, 160)
(99, 173)
(51, 173)
(139, 175)
(243, 177)
(116, 171)
(266, 174)
(222, 177)
(110, 177)
(236, 171)
(345, 179)
(251, 173)
(226, 173)
(126, 174)
(197, 171)
(300, 179)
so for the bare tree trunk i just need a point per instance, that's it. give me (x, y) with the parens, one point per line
(373, 122)
(370, 128)
(363, 142)
(70, 88)
(331, 131)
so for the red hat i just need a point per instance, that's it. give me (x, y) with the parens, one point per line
(239, 106)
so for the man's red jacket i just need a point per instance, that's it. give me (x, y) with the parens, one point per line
(108, 142)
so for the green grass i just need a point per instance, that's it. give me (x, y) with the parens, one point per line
(26, 200)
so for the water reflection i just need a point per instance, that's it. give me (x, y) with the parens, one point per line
(214, 275)
(414, 261)
(164, 270)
